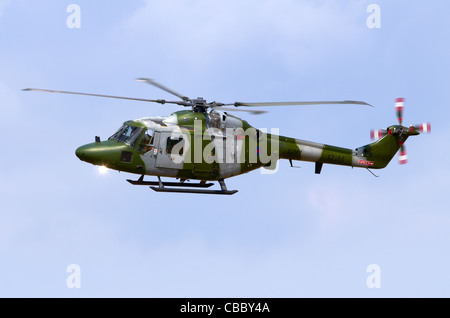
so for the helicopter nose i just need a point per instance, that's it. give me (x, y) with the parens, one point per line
(103, 153)
(89, 153)
(79, 153)
(83, 152)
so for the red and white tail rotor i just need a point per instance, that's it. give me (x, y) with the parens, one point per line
(400, 131)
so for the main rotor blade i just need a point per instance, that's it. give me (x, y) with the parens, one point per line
(160, 101)
(253, 112)
(263, 104)
(152, 82)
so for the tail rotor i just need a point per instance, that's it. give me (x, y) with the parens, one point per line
(400, 132)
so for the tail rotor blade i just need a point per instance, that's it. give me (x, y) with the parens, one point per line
(425, 127)
(399, 104)
(376, 134)
(403, 157)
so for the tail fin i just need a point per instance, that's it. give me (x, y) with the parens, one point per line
(381, 151)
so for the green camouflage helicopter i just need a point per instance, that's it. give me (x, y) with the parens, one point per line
(207, 143)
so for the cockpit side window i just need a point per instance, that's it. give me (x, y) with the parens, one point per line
(146, 143)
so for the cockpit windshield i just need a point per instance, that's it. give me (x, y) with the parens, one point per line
(127, 134)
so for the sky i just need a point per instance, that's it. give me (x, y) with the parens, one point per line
(287, 234)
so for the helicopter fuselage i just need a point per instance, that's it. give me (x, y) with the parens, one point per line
(216, 145)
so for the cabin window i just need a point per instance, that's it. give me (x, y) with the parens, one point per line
(174, 146)
(215, 120)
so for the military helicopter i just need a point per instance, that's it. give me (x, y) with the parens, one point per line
(207, 143)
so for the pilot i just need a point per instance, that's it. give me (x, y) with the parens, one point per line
(145, 143)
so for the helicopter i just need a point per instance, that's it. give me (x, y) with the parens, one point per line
(207, 143)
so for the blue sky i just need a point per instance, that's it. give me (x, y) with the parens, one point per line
(288, 234)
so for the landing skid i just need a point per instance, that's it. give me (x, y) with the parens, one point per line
(161, 186)
(141, 181)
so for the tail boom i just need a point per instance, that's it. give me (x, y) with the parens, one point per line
(376, 155)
